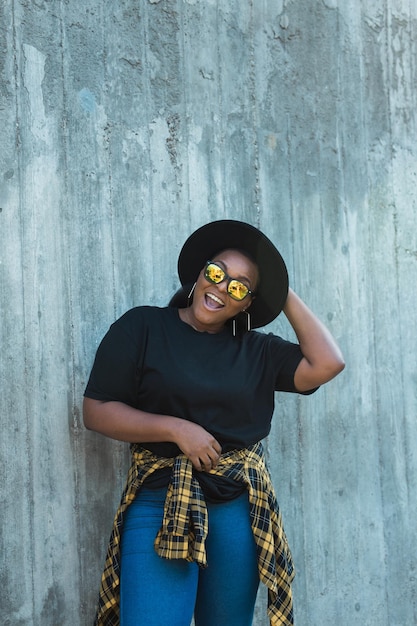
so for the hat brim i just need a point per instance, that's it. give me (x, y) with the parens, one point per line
(214, 237)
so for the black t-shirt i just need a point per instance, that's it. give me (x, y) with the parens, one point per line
(151, 360)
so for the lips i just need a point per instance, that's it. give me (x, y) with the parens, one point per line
(213, 302)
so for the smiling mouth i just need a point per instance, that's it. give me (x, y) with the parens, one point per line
(213, 302)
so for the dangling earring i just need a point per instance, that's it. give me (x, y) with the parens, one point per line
(190, 295)
(248, 326)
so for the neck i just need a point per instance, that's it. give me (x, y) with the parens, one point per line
(187, 316)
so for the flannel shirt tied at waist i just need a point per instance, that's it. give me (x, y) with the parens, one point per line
(185, 526)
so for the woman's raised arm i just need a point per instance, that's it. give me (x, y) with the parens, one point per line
(322, 358)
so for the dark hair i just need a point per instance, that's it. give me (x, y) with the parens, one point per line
(180, 298)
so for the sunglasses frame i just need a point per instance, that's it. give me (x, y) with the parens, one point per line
(229, 280)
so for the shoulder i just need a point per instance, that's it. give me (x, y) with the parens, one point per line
(265, 340)
(274, 347)
(143, 313)
(138, 319)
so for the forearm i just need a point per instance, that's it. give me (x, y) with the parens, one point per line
(323, 357)
(125, 423)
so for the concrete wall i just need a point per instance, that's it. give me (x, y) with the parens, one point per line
(124, 125)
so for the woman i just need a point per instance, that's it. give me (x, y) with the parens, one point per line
(192, 389)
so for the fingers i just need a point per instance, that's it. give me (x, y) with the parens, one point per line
(206, 462)
(217, 448)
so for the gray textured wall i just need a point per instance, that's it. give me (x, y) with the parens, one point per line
(125, 125)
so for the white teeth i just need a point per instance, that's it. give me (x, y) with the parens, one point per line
(215, 298)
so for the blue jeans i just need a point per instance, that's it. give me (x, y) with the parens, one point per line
(162, 592)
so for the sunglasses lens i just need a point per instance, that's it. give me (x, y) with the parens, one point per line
(214, 273)
(237, 290)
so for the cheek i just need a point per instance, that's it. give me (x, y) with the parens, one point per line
(201, 281)
(238, 307)
(247, 305)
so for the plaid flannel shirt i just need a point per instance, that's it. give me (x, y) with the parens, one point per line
(185, 526)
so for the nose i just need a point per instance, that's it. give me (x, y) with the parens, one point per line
(222, 287)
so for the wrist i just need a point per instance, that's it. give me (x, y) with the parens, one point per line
(175, 428)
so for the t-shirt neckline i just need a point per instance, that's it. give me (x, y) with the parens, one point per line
(202, 333)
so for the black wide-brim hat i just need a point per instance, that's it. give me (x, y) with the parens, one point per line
(212, 238)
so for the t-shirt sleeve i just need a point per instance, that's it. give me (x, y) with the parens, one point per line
(114, 373)
(286, 357)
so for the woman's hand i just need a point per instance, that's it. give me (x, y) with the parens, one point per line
(198, 445)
